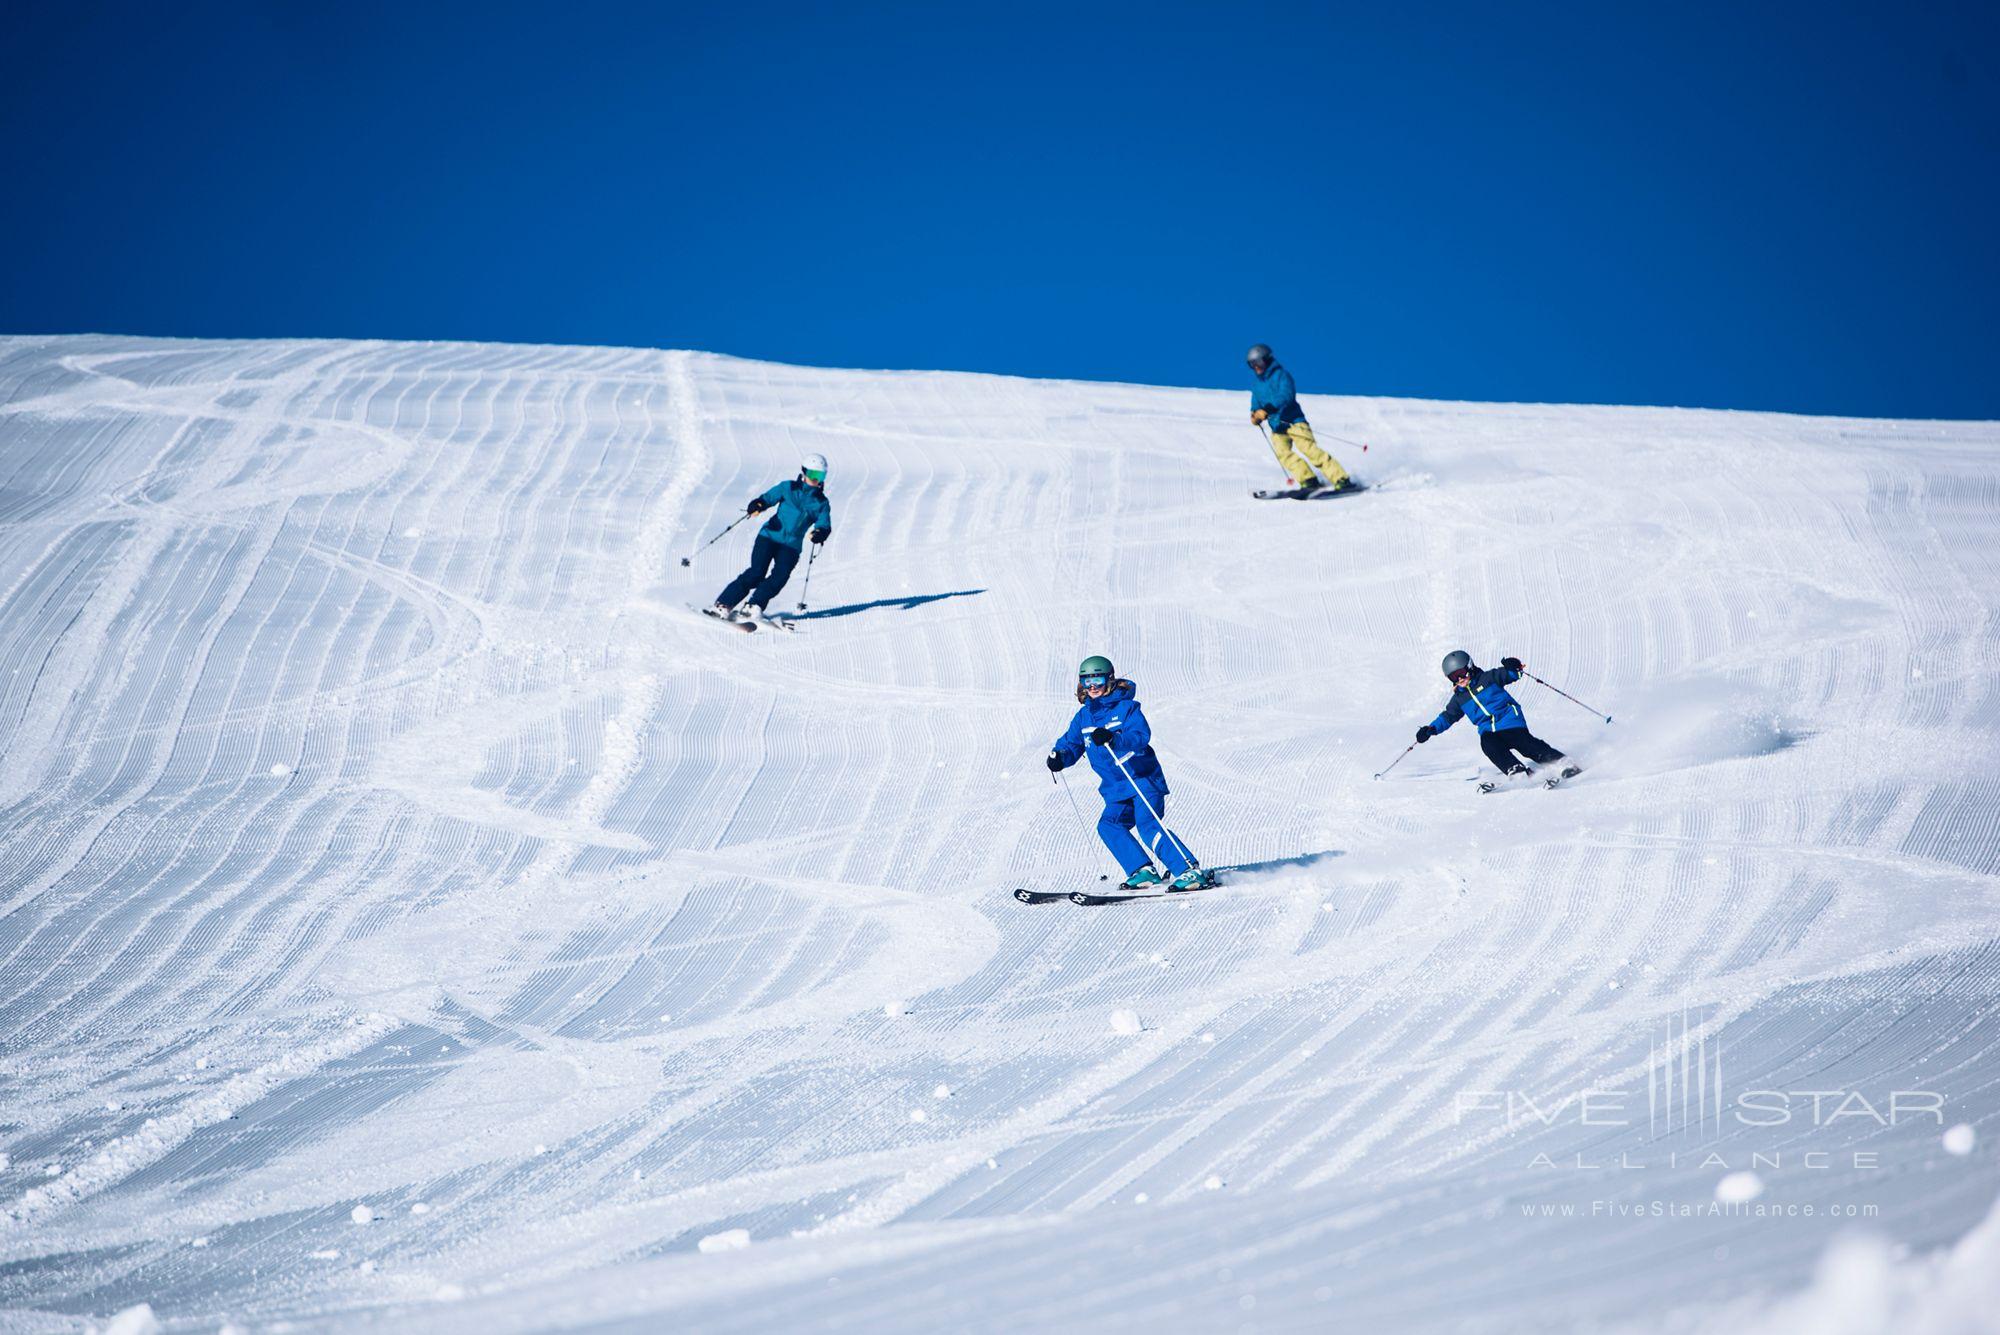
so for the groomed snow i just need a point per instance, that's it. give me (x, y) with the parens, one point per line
(415, 918)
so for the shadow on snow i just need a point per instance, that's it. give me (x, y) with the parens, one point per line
(915, 600)
(1287, 864)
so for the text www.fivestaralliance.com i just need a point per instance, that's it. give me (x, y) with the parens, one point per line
(1695, 1210)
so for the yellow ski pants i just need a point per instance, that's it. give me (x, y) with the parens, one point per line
(1296, 440)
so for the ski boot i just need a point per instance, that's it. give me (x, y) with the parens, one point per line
(1345, 484)
(720, 612)
(1143, 879)
(1194, 878)
(1308, 487)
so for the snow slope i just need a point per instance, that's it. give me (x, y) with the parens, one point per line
(414, 917)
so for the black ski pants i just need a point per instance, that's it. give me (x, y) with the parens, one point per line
(1501, 744)
(771, 564)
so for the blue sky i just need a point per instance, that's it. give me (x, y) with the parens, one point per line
(1761, 206)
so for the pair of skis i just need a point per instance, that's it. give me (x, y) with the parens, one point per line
(747, 624)
(1314, 494)
(1495, 785)
(1120, 896)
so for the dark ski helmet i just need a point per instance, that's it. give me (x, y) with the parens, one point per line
(1455, 662)
(1259, 357)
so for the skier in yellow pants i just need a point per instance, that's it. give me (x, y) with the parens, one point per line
(1275, 399)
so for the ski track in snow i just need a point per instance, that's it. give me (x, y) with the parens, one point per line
(375, 830)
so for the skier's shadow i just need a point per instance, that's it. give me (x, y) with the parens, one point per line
(914, 600)
(1291, 863)
(1236, 869)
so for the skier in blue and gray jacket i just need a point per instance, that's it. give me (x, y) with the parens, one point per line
(800, 511)
(1111, 729)
(1481, 695)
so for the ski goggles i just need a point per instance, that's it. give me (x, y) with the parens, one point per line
(1093, 681)
(815, 474)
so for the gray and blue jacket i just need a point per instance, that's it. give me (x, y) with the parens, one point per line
(1485, 701)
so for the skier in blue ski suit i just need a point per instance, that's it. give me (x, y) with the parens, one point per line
(1481, 695)
(800, 510)
(1111, 729)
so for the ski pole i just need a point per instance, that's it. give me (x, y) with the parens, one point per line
(1398, 760)
(1192, 860)
(1082, 824)
(1265, 433)
(1564, 694)
(687, 560)
(811, 557)
(1361, 445)
(1063, 775)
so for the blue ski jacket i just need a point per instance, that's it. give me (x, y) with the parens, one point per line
(1118, 712)
(1276, 394)
(1485, 702)
(800, 506)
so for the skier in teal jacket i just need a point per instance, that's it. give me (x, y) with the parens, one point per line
(800, 511)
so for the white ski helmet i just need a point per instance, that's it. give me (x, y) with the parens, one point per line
(814, 467)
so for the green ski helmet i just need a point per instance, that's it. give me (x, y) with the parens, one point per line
(1095, 670)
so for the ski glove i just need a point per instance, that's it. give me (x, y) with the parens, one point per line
(1055, 762)
(1101, 736)
(1259, 416)
(1512, 664)
(820, 535)
(1425, 733)
(756, 505)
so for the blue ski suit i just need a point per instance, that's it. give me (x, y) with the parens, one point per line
(1137, 802)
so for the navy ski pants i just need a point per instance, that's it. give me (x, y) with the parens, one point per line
(1501, 744)
(771, 564)
(1115, 827)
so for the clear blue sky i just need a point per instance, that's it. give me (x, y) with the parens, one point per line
(1762, 206)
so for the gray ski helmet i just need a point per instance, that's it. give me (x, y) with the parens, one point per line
(1455, 662)
(1259, 357)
